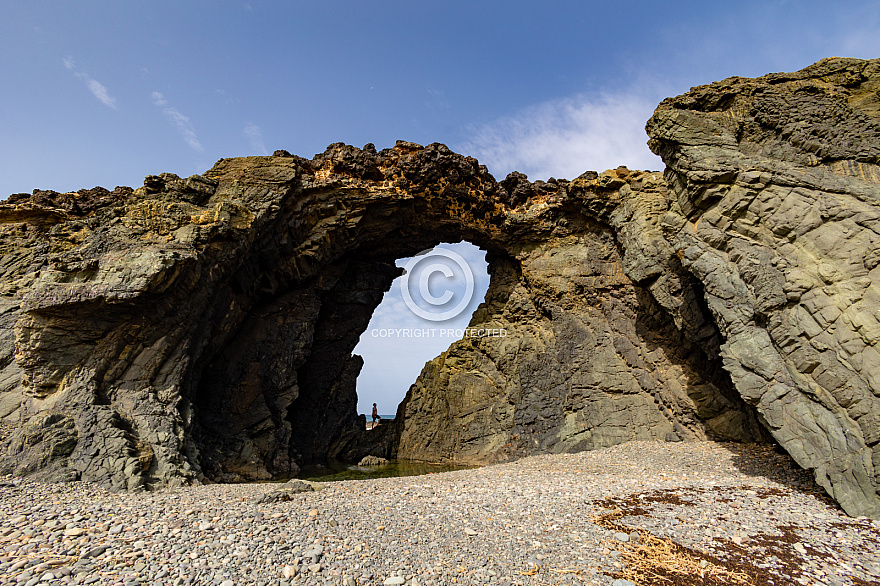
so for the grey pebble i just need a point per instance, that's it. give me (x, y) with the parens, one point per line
(537, 513)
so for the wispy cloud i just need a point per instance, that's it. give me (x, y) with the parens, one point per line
(96, 87)
(563, 138)
(255, 136)
(436, 100)
(182, 122)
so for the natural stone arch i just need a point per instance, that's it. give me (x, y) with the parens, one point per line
(208, 323)
(193, 328)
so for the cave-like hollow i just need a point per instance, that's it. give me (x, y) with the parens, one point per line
(292, 355)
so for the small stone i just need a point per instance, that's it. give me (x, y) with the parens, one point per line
(622, 582)
(96, 551)
(288, 571)
(75, 532)
(314, 568)
(313, 513)
(470, 531)
(394, 580)
(227, 583)
(621, 537)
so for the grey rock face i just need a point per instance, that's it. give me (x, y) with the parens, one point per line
(203, 327)
(773, 210)
(589, 360)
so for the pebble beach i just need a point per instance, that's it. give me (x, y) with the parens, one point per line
(637, 513)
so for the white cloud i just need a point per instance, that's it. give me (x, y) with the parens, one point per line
(96, 87)
(182, 122)
(255, 136)
(563, 138)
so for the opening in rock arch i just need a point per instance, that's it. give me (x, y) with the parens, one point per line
(398, 342)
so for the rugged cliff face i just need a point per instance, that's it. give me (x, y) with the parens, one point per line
(202, 328)
(774, 191)
(589, 360)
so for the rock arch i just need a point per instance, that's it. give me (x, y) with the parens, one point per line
(208, 323)
(202, 328)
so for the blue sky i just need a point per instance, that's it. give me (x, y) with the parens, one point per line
(104, 93)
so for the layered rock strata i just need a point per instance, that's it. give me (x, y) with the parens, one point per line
(589, 359)
(202, 328)
(774, 209)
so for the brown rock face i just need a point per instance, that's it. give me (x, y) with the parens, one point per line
(203, 327)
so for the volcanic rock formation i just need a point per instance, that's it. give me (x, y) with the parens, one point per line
(202, 328)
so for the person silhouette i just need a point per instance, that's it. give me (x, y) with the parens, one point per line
(375, 414)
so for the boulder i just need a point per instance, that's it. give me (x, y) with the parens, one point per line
(373, 461)
(286, 492)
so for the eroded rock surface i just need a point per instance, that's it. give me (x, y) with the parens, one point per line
(202, 328)
(589, 359)
(773, 209)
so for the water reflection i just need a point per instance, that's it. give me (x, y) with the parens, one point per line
(340, 471)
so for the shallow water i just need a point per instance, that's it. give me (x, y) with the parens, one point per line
(341, 471)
